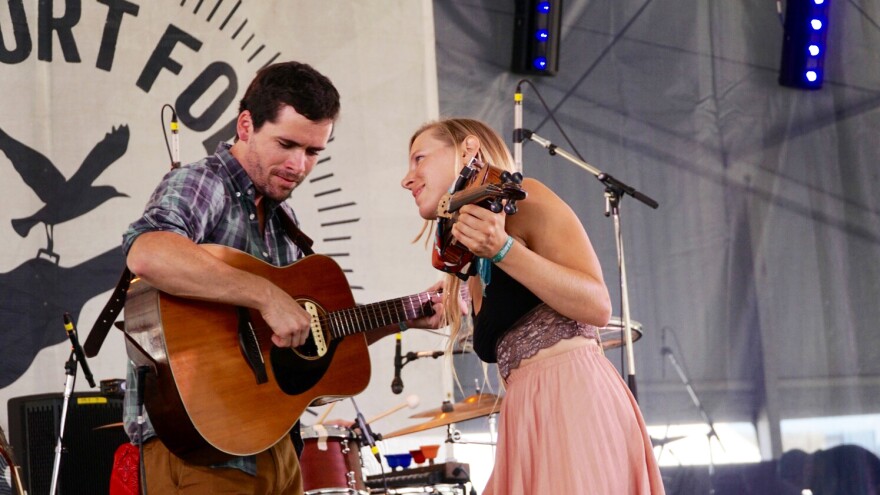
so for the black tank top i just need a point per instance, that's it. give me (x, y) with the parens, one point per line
(505, 301)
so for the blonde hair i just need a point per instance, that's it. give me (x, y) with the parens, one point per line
(492, 151)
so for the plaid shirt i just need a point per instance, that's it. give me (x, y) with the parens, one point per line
(210, 202)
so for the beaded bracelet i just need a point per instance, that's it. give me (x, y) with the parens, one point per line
(402, 326)
(503, 251)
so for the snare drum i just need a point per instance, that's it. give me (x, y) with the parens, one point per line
(331, 461)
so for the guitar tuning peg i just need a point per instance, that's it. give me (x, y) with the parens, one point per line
(510, 208)
(506, 177)
(517, 177)
(495, 205)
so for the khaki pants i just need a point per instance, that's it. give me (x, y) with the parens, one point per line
(277, 473)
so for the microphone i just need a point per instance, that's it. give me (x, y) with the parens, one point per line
(517, 128)
(411, 356)
(77, 349)
(366, 434)
(396, 382)
(175, 141)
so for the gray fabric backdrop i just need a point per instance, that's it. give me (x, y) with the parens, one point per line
(761, 264)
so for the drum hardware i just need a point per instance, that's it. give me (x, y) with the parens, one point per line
(611, 335)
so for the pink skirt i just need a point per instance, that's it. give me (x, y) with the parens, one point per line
(569, 425)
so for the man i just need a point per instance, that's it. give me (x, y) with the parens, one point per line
(236, 198)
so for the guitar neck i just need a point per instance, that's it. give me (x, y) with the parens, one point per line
(367, 317)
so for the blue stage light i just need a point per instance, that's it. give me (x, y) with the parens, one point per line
(536, 35)
(803, 46)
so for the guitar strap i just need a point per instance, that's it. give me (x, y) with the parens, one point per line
(108, 315)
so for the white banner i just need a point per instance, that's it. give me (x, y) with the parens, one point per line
(81, 148)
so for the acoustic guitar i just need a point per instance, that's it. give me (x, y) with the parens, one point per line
(14, 469)
(220, 388)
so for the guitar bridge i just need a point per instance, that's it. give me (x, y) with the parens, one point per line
(317, 331)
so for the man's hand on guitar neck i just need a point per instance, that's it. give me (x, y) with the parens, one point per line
(433, 321)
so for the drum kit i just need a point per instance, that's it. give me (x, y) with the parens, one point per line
(332, 464)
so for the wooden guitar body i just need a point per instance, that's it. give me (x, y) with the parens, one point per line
(204, 399)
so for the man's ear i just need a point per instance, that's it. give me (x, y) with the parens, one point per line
(244, 126)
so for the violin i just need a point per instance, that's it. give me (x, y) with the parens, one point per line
(484, 185)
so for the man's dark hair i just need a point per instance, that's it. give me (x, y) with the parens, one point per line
(308, 91)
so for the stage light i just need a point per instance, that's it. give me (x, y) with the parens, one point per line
(803, 45)
(536, 37)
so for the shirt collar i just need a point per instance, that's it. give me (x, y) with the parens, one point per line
(239, 177)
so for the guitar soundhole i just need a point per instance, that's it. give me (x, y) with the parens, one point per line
(309, 350)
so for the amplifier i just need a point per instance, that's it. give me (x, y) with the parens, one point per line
(87, 457)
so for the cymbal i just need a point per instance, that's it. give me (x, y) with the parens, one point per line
(611, 334)
(476, 402)
(462, 411)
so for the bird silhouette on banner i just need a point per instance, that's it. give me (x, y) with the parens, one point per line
(65, 199)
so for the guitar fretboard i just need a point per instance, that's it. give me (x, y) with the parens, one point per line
(376, 315)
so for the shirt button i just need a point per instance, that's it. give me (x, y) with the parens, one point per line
(265, 254)
(250, 191)
(237, 194)
(252, 216)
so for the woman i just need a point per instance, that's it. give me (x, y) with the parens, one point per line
(568, 422)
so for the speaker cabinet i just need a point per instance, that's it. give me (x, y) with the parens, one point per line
(87, 456)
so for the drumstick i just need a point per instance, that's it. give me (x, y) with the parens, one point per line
(411, 401)
(326, 412)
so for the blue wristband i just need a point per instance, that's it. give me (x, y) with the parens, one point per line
(503, 251)
(402, 326)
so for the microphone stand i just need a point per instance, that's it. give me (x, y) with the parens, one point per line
(70, 367)
(666, 351)
(614, 192)
(70, 371)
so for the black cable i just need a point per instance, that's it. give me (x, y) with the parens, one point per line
(141, 382)
(551, 115)
(164, 131)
